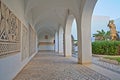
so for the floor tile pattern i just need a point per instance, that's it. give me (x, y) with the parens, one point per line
(52, 66)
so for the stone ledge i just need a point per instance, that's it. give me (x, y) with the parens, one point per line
(109, 61)
(95, 55)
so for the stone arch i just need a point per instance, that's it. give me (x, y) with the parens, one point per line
(67, 36)
(60, 34)
(84, 31)
(72, 39)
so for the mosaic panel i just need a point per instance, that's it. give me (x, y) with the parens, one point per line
(25, 46)
(32, 39)
(10, 27)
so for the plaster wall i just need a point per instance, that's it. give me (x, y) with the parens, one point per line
(11, 65)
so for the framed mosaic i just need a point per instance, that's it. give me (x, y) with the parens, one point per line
(10, 30)
(46, 36)
(32, 38)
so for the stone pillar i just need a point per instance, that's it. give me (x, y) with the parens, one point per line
(60, 40)
(68, 45)
(56, 42)
(67, 36)
(84, 32)
(84, 44)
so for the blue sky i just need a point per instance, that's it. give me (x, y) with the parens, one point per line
(109, 8)
(74, 29)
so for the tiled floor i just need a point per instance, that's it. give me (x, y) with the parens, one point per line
(52, 66)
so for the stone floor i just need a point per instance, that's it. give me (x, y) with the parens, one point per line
(96, 60)
(110, 66)
(52, 66)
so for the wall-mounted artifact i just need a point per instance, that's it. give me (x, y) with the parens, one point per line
(46, 36)
(25, 42)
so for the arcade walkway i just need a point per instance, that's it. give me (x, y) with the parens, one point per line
(52, 66)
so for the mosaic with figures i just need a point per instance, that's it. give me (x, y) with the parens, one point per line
(10, 27)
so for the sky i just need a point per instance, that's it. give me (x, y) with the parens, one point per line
(74, 30)
(109, 8)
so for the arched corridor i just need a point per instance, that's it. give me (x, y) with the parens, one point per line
(29, 26)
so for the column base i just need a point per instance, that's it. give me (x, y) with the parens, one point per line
(61, 53)
(67, 55)
(85, 63)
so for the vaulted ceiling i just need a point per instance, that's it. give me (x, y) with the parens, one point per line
(48, 15)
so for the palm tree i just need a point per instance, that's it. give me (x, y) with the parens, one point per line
(107, 35)
(102, 35)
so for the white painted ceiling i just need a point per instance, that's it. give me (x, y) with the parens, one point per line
(48, 15)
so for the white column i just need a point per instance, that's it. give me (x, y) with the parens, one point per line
(56, 42)
(37, 44)
(68, 45)
(67, 36)
(60, 40)
(84, 45)
(84, 32)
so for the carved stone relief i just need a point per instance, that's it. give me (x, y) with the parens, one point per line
(10, 28)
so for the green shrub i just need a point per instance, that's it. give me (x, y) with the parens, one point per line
(105, 47)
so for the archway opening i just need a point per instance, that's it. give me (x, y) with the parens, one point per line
(105, 15)
(74, 39)
(102, 14)
(46, 41)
